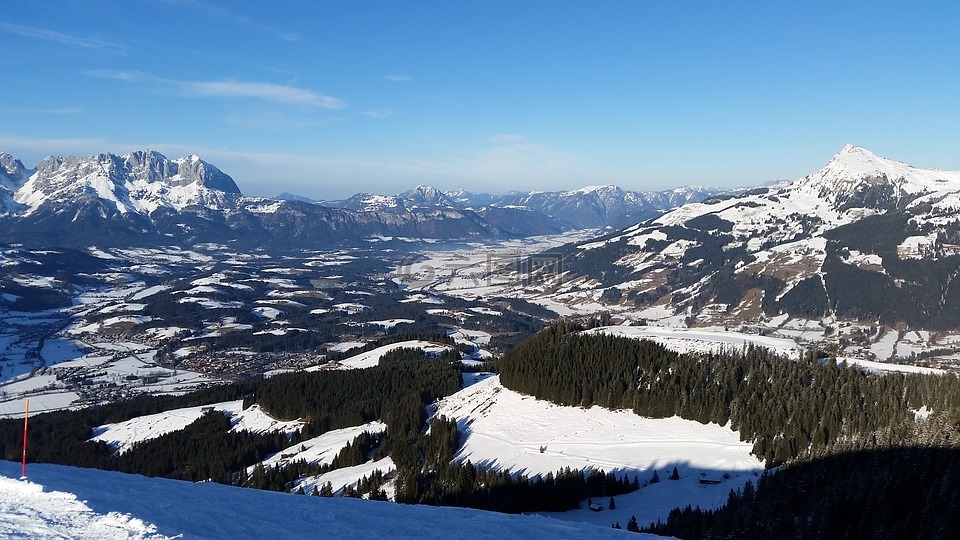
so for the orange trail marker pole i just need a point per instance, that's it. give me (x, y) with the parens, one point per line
(26, 416)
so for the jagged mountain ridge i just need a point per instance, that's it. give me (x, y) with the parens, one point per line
(13, 175)
(864, 238)
(589, 207)
(143, 198)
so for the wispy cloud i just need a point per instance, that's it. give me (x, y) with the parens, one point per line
(61, 38)
(119, 75)
(52, 110)
(397, 78)
(379, 113)
(276, 93)
(223, 14)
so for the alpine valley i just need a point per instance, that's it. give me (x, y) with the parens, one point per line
(769, 362)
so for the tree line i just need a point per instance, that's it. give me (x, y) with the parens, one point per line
(788, 407)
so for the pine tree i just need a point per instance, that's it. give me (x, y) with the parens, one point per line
(612, 505)
(675, 475)
(632, 524)
(326, 490)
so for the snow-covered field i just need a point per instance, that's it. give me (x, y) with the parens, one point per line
(67, 502)
(122, 435)
(473, 272)
(510, 431)
(321, 450)
(694, 340)
(371, 358)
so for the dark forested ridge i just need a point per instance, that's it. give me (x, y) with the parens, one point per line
(908, 492)
(207, 450)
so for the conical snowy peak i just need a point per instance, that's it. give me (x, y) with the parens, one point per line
(858, 162)
(855, 173)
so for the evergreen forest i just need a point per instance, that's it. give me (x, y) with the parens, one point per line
(849, 458)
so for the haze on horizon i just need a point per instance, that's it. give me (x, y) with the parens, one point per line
(329, 99)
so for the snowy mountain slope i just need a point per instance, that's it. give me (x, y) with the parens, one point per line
(865, 242)
(122, 435)
(137, 182)
(322, 449)
(12, 177)
(372, 358)
(690, 340)
(510, 431)
(68, 502)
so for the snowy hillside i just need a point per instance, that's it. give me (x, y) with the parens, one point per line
(860, 254)
(122, 435)
(66, 502)
(510, 431)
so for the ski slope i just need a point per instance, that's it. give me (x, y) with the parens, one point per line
(68, 502)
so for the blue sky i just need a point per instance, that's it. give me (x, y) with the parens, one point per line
(329, 98)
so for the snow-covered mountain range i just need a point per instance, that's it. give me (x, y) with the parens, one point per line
(145, 198)
(588, 207)
(865, 239)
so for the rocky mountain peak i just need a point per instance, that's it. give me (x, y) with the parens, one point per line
(426, 195)
(12, 172)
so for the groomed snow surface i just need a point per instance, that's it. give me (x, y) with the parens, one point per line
(67, 502)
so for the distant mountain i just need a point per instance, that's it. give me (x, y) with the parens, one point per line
(285, 196)
(589, 207)
(865, 239)
(145, 198)
(599, 206)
